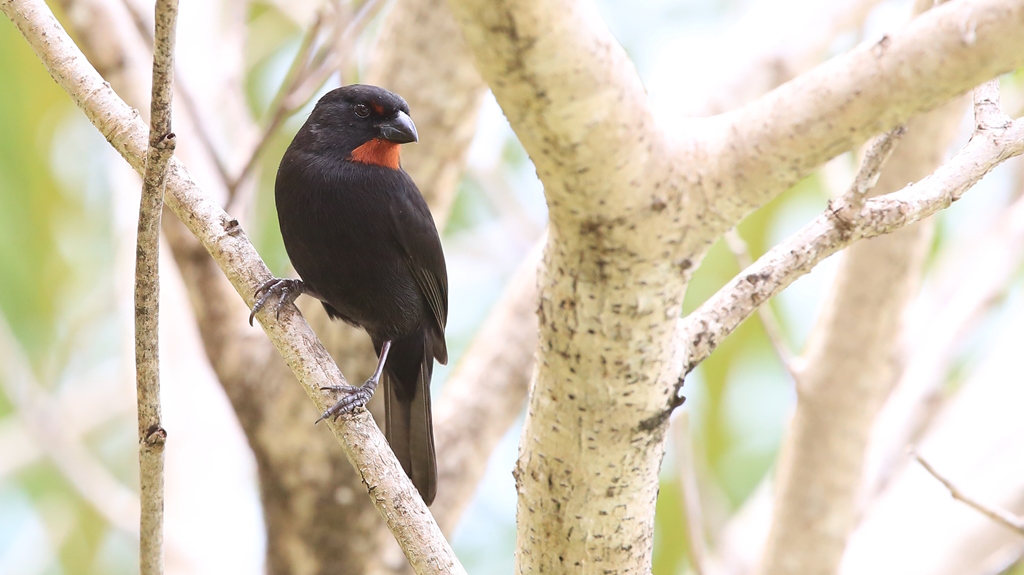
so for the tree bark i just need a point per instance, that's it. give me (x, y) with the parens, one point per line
(632, 215)
(152, 436)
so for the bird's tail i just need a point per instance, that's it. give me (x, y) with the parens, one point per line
(408, 428)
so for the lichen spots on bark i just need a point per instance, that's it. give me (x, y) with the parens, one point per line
(378, 152)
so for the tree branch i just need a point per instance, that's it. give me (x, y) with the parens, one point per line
(391, 491)
(716, 318)
(631, 216)
(147, 295)
(996, 514)
(772, 143)
(987, 113)
(572, 113)
(971, 282)
(850, 359)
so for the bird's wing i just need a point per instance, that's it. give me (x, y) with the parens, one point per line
(418, 238)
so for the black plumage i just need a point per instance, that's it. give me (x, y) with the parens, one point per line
(361, 237)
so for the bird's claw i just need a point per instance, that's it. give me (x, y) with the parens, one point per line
(287, 291)
(355, 397)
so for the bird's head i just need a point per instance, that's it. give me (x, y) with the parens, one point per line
(364, 123)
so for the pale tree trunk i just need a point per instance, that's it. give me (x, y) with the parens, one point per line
(630, 218)
(586, 494)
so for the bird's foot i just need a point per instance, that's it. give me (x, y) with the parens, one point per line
(286, 291)
(355, 397)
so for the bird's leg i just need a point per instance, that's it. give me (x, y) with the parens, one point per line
(357, 396)
(285, 289)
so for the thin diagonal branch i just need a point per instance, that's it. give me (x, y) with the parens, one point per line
(279, 113)
(391, 491)
(331, 56)
(707, 326)
(147, 295)
(996, 514)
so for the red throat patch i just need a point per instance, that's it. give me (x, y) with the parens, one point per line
(378, 152)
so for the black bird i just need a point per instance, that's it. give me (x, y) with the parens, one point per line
(361, 237)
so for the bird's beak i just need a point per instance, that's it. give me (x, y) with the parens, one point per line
(400, 130)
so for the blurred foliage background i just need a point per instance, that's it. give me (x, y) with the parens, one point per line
(67, 423)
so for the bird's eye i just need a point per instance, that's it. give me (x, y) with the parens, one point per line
(362, 111)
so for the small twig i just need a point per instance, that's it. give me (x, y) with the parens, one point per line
(147, 294)
(875, 157)
(769, 322)
(987, 111)
(996, 514)
(302, 82)
(934, 343)
(191, 108)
